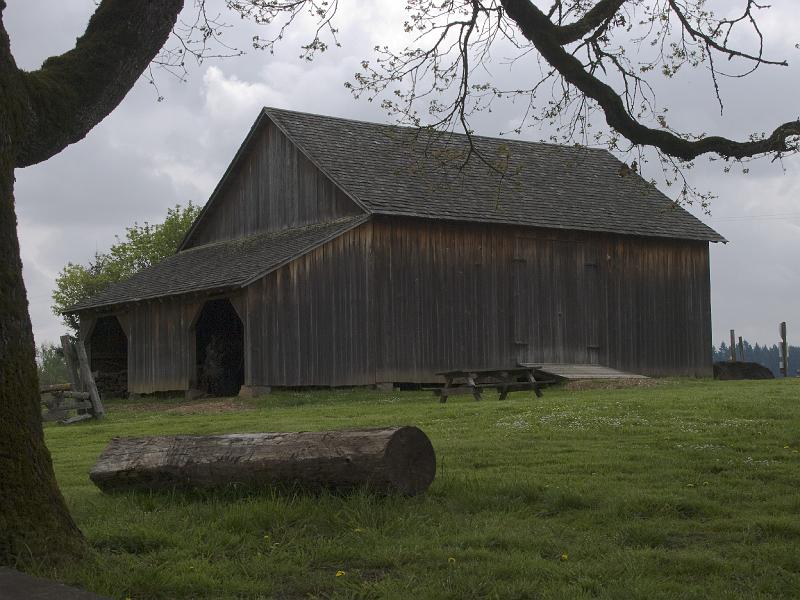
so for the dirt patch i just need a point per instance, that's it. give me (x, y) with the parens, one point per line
(195, 407)
(210, 406)
(610, 384)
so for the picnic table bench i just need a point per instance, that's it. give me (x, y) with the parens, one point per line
(472, 381)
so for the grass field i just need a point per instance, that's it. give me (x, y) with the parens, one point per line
(687, 489)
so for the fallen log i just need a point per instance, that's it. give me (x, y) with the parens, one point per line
(395, 460)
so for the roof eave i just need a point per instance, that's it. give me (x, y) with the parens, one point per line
(715, 238)
(234, 285)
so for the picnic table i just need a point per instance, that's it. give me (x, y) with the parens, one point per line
(472, 381)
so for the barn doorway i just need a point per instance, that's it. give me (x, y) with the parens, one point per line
(108, 357)
(219, 338)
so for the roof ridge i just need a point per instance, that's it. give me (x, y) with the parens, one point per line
(538, 184)
(412, 128)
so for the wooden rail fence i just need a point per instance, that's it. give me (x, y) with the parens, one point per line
(79, 395)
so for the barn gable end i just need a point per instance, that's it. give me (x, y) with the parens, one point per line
(269, 186)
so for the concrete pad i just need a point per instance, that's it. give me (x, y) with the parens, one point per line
(254, 391)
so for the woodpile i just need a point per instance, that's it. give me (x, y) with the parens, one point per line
(392, 460)
(112, 384)
(733, 370)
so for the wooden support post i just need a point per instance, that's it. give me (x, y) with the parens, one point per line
(476, 392)
(445, 391)
(733, 346)
(88, 380)
(503, 389)
(784, 350)
(535, 384)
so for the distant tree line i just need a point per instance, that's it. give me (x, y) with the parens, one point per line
(50, 364)
(769, 356)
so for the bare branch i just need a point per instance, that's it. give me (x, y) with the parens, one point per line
(708, 39)
(541, 32)
(599, 14)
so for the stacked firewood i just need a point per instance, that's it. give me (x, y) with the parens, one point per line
(112, 384)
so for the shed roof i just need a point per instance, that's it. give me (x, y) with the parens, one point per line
(396, 170)
(222, 265)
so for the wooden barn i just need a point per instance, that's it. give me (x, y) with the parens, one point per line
(337, 252)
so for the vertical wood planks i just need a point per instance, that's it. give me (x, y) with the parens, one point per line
(273, 187)
(400, 299)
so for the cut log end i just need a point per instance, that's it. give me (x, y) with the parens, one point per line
(394, 460)
(410, 460)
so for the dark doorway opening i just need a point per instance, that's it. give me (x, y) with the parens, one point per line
(219, 336)
(108, 359)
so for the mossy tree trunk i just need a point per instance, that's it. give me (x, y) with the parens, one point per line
(41, 113)
(33, 515)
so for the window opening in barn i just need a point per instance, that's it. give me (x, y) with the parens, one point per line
(108, 361)
(219, 336)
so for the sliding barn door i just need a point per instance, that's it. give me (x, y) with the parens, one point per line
(556, 310)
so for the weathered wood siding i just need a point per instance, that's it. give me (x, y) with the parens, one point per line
(658, 306)
(161, 345)
(462, 295)
(273, 186)
(309, 323)
(399, 300)
(441, 300)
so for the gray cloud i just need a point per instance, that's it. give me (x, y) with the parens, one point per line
(149, 155)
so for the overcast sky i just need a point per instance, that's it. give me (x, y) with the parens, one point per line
(148, 155)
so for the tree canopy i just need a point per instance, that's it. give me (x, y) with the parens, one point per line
(142, 246)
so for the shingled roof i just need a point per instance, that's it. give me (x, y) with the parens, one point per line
(220, 266)
(393, 170)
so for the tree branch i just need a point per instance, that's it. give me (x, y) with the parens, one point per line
(723, 48)
(545, 36)
(73, 92)
(594, 18)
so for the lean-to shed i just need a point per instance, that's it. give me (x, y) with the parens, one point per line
(336, 252)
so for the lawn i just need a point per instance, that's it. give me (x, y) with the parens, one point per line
(687, 489)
